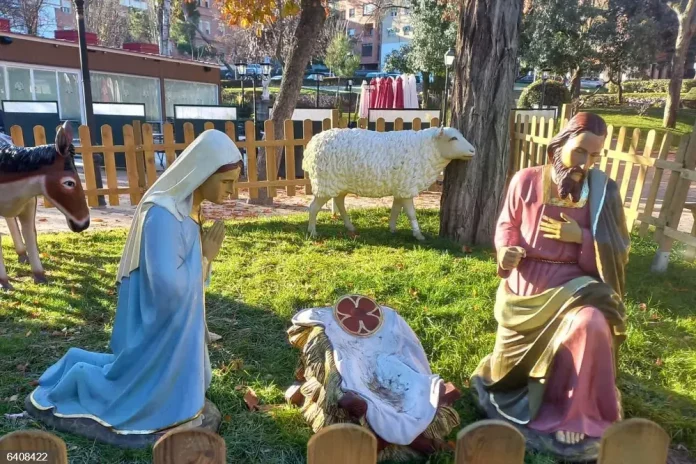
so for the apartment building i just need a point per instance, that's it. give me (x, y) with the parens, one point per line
(396, 30)
(376, 31)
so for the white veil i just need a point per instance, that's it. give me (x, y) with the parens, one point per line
(174, 189)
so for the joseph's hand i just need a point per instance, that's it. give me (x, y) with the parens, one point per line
(212, 240)
(567, 230)
(510, 257)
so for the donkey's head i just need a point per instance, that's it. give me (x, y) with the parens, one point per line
(62, 184)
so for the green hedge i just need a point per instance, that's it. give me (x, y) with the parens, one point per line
(651, 86)
(556, 94)
(612, 100)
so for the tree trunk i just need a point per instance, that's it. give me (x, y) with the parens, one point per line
(619, 84)
(426, 88)
(678, 61)
(482, 99)
(575, 83)
(165, 25)
(308, 30)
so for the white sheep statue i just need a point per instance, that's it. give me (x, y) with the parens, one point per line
(378, 164)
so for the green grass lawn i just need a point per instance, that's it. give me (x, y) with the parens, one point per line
(268, 270)
(629, 118)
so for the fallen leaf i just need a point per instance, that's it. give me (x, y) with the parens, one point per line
(239, 388)
(228, 418)
(467, 250)
(413, 292)
(655, 317)
(97, 220)
(42, 220)
(28, 333)
(22, 367)
(251, 400)
(13, 398)
(643, 307)
(658, 362)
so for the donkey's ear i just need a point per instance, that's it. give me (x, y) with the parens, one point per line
(64, 139)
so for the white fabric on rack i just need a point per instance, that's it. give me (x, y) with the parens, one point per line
(412, 87)
(388, 369)
(364, 99)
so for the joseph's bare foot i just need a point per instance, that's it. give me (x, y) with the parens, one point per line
(569, 438)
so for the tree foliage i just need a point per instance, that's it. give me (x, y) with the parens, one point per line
(551, 93)
(558, 35)
(627, 40)
(340, 58)
(434, 32)
(399, 60)
(106, 19)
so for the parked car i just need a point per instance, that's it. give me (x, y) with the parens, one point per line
(528, 79)
(591, 83)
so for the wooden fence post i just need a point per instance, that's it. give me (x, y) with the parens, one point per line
(417, 124)
(290, 155)
(271, 171)
(655, 183)
(342, 444)
(40, 139)
(634, 441)
(169, 143)
(640, 181)
(307, 136)
(88, 165)
(139, 156)
(398, 124)
(110, 164)
(252, 172)
(190, 446)
(35, 442)
(231, 131)
(17, 136)
(489, 442)
(148, 142)
(335, 118)
(135, 190)
(608, 141)
(673, 204)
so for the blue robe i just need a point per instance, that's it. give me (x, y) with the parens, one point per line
(159, 371)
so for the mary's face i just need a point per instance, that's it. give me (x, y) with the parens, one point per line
(219, 186)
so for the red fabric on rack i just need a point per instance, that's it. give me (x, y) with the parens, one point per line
(399, 94)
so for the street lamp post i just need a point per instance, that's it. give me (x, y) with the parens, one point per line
(544, 77)
(319, 78)
(241, 71)
(87, 90)
(449, 61)
(350, 102)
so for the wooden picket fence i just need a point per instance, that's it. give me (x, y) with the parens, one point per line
(640, 169)
(139, 147)
(635, 441)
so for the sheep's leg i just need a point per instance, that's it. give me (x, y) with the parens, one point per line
(314, 209)
(411, 213)
(4, 279)
(17, 240)
(340, 202)
(396, 210)
(27, 218)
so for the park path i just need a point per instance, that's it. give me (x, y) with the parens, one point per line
(50, 220)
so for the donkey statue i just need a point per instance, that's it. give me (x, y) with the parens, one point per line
(26, 173)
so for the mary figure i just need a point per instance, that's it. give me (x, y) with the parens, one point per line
(157, 375)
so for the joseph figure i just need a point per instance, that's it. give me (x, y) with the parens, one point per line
(562, 246)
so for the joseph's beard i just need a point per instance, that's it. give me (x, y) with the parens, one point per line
(567, 186)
